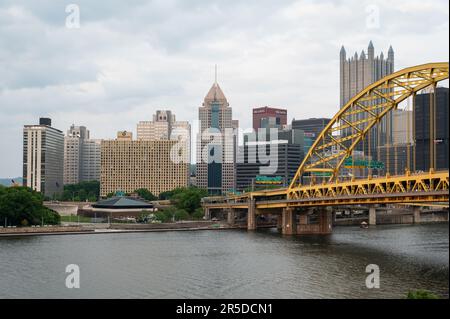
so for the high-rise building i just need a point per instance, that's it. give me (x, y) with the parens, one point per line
(128, 165)
(311, 125)
(90, 160)
(402, 127)
(81, 156)
(43, 158)
(276, 158)
(358, 72)
(165, 127)
(423, 141)
(267, 117)
(216, 143)
(158, 129)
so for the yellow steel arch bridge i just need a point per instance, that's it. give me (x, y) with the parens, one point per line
(318, 182)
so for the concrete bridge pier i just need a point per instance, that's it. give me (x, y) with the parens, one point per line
(416, 214)
(280, 222)
(231, 214)
(207, 213)
(326, 221)
(289, 221)
(372, 215)
(251, 215)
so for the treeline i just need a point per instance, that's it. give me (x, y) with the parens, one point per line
(21, 206)
(186, 203)
(81, 192)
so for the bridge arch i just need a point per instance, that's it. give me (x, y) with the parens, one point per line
(360, 115)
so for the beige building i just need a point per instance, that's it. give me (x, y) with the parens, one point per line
(402, 127)
(165, 127)
(127, 165)
(216, 144)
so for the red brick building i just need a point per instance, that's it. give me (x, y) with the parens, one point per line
(266, 117)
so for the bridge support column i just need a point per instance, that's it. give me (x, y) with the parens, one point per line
(372, 215)
(231, 216)
(416, 212)
(280, 222)
(251, 215)
(207, 213)
(289, 221)
(326, 222)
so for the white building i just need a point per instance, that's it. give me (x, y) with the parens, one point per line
(81, 156)
(43, 158)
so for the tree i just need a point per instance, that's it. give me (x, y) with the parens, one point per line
(181, 214)
(88, 190)
(198, 214)
(145, 194)
(23, 206)
(189, 199)
(421, 294)
(162, 217)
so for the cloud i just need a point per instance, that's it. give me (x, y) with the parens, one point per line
(129, 59)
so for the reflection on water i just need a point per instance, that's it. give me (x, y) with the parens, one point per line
(228, 264)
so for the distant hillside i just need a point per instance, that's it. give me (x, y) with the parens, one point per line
(8, 181)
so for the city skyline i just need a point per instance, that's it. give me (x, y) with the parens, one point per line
(106, 88)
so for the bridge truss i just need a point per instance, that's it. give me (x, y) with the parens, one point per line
(355, 122)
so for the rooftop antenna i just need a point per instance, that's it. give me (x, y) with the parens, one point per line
(215, 74)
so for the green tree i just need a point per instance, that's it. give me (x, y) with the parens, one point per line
(145, 194)
(181, 214)
(22, 206)
(189, 199)
(198, 214)
(421, 294)
(80, 192)
(162, 217)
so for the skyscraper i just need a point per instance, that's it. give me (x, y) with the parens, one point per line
(422, 134)
(158, 129)
(81, 156)
(165, 127)
(267, 117)
(216, 143)
(265, 156)
(356, 73)
(43, 158)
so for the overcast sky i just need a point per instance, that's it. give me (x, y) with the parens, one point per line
(127, 60)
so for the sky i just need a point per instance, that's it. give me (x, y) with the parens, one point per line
(123, 61)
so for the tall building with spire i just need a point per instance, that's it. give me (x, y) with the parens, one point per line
(216, 143)
(358, 72)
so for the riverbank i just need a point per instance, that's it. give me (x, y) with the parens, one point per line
(99, 228)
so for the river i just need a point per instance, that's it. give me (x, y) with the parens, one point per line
(228, 264)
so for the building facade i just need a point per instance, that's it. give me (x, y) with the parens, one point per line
(402, 127)
(267, 117)
(128, 165)
(272, 158)
(43, 158)
(81, 156)
(216, 144)
(311, 125)
(165, 127)
(423, 142)
(358, 72)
